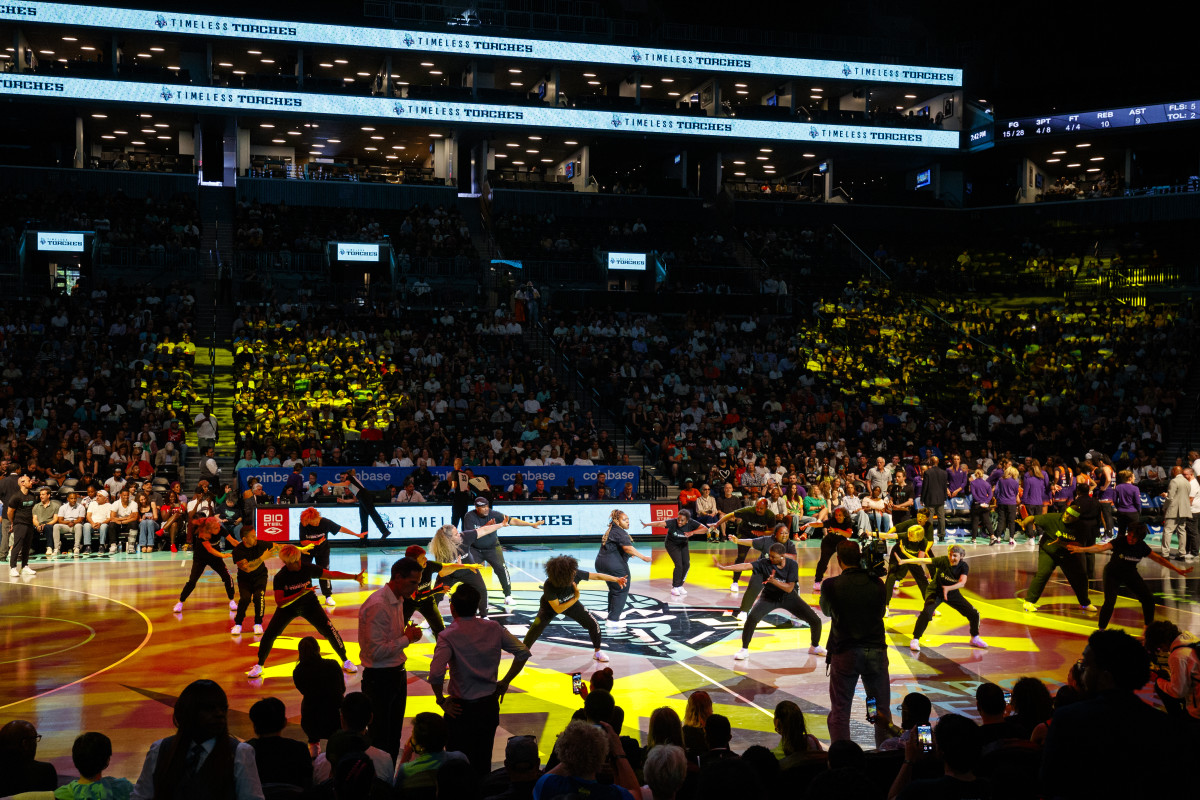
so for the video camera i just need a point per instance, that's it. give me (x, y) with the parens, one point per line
(874, 557)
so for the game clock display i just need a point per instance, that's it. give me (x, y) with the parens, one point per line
(1016, 130)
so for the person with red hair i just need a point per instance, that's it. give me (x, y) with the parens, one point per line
(315, 531)
(207, 556)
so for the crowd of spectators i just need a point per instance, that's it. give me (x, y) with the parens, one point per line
(1037, 742)
(325, 385)
(873, 373)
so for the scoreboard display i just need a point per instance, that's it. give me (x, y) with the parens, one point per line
(1016, 130)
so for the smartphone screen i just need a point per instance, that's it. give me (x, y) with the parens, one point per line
(925, 737)
(576, 682)
(872, 709)
(1007, 698)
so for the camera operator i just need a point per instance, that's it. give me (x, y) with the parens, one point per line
(854, 601)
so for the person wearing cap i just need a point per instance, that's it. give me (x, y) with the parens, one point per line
(1058, 531)
(522, 769)
(366, 502)
(429, 589)
(99, 515)
(485, 548)
(780, 534)
(315, 531)
(914, 542)
(949, 577)
(688, 495)
(756, 520)
(294, 597)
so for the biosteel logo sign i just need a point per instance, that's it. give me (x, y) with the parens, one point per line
(272, 525)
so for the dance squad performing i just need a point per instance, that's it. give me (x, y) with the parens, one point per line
(766, 548)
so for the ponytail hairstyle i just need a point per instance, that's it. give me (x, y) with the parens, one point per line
(612, 520)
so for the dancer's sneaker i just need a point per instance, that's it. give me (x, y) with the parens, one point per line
(817, 650)
(233, 605)
(675, 591)
(508, 600)
(682, 590)
(348, 666)
(330, 602)
(614, 624)
(1089, 608)
(255, 671)
(178, 609)
(816, 587)
(741, 655)
(733, 587)
(112, 548)
(28, 572)
(977, 642)
(600, 655)
(14, 573)
(1030, 607)
(915, 645)
(1012, 542)
(258, 630)
(742, 616)
(49, 551)
(235, 630)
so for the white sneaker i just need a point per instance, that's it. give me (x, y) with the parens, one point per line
(816, 587)
(915, 646)
(977, 642)
(75, 551)
(329, 601)
(233, 605)
(28, 571)
(733, 587)
(817, 650)
(887, 612)
(741, 655)
(615, 624)
(258, 630)
(742, 616)
(255, 671)
(676, 591)
(57, 552)
(112, 548)
(349, 667)
(508, 600)
(235, 630)
(49, 551)
(178, 609)
(14, 573)
(600, 655)
(682, 590)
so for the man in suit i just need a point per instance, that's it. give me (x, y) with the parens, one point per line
(1177, 513)
(934, 491)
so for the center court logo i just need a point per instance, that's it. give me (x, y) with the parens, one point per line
(654, 629)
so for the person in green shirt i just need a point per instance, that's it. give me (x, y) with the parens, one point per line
(949, 577)
(1058, 530)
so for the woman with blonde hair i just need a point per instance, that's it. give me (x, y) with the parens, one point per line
(447, 547)
(616, 547)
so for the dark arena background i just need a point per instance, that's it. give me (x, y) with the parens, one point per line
(575, 257)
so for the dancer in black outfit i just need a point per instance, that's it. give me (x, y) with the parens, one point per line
(838, 528)
(249, 555)
(1122, 570)
(294, 597)
(781, 535)
(560, 595)
(679, 530)
(485, 547)
(366, 503)
(448, 547)
(613, 559)
(429, 588)
(914, 543)
(205, 556)
(949, 577)
(755, 521)
(315, 531)
(779, 577)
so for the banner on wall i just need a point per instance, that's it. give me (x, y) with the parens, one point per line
(274, 478)
(417, 523)
(212, 98)
(468, 44)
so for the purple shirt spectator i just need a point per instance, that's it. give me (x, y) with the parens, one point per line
(981, 491)
(958, 480)
(1127, 499)
(1035, 489)
(1006, 491)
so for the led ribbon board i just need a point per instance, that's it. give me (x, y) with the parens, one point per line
(357, 252)
(60, 242)
(33, 86)
(465, 44)
(1083, 122)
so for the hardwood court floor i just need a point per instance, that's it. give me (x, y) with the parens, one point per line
(92, 644)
